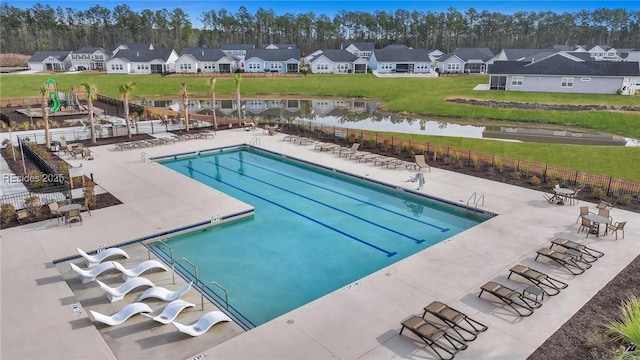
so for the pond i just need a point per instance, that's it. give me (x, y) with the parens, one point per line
(363, 114)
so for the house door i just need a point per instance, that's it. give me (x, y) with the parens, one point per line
(156, 69)
(403, 68)
(224, 68)
(498, 83)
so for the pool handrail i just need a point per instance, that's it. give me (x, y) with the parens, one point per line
(204, 288)
(173, 266)
(173, 270)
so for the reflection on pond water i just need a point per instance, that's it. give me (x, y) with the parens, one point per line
(362, 114)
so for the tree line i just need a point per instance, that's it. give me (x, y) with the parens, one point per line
(42, 27)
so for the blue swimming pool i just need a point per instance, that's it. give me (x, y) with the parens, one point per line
(314, 230)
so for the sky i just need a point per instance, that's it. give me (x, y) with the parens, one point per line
(195, 8)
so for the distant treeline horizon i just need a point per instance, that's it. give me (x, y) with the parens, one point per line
(41, 27)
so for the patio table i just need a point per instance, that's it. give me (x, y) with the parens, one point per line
(597, 219)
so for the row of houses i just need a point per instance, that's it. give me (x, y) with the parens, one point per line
(584, 69)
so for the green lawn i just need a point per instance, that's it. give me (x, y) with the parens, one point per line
(424, 96)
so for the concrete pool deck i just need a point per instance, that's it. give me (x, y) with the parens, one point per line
(42, 318)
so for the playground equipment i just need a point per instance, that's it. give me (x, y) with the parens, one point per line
(53, 95)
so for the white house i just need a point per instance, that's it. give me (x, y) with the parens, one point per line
(465, 60)
(90, 58)
(50, 61)
(361, 49)
(277, 60)
(142, 62)
(201, 60)
(336, 61)
(387, 61)
(236, 50)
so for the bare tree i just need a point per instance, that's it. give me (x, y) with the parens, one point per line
(212, 87)
(238, 78)
(185, 103)
(90, 91)
(44, 93)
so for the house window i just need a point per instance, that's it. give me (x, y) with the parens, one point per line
(517, 80)
(116, 67)
(276, 66)
(567, 82)
(184, 67)
(453, 67)
(254, 66)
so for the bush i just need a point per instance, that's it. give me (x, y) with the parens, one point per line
(35, 179)
(598, 193)
(90, 195)
(497, 163)
(33, 204)
(534, 180)
(475, 160)
(624, 200)
(7, 212)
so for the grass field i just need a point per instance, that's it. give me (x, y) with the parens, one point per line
(424, 96)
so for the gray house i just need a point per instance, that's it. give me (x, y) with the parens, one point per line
(465, 60)
(50, 61)
(563, 72)
(272, 60)
(142, 62)
(236, 50)
(90, 58)
(362, 49)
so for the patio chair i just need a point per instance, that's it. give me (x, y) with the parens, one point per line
(139, 269)
(346, 151)
(163, 294)
(588, 254)
(573, 198)
(122, 315)
(549, 285)
(118, 293)
(455, 319)
(22, 215)
(521, 305)
(433, 335)
(553, 199)
(203, 324)
(94, 260)
(421, 162)
(86, 154)
(588, 226)
(73, 214)
(87, 276)
(573, 265)
(605, 213)
(604, 205)
(584, 210)
(324, 146)
(170, 312)
(53, 209)
(618, 226)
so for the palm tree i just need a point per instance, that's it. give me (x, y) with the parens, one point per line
(185, 103)
(90, 91)
(238, 78)
(45, 114)
(212, 87)
(627, 329)
(126, 89)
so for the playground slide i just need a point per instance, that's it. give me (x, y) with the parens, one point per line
(53, 95)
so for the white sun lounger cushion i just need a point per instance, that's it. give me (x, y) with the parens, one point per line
(122, 315)
(203, 324)
(170, 312)
(94, 260)
(140, 268)
(118, 293)
(91, 274)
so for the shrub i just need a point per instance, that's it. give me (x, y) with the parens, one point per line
(516, 175)
(624, 200)
(35, 179)
(497, 163)
(33, 204)
(63, 168)
(475, 160)
(534, 180)
(625, 330)
(598, 193)
(439, 153)
(6, 142)
(491, 171)
(7, 211)
(89, 194)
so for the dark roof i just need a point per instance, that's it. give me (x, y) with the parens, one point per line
(236, 47)
(396, 47)
(39, 56)
(584, 56)
(143, 55)
(528, 54)
(562, 65)
(282, 46)
(562, 47)
(203, 54)
(137, 46)
(337, 55)
(90, 50)
(401, 55)
(273, 54)
(466, 54)
(362, 46)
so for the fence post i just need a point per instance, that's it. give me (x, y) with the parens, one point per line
(469, 161)
(575, 180)
(544, 174)
(609, 186)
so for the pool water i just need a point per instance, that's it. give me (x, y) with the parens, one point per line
(313, 231)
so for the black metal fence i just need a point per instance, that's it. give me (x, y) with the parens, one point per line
(46, 196)
(52, 175)
(597, 184)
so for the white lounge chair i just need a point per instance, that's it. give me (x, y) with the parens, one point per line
(203, 324)
(170, 312)
(139, 269)
(163, 294)
(118, 293)
(122, 315)
(91, 274)
(94, 260)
